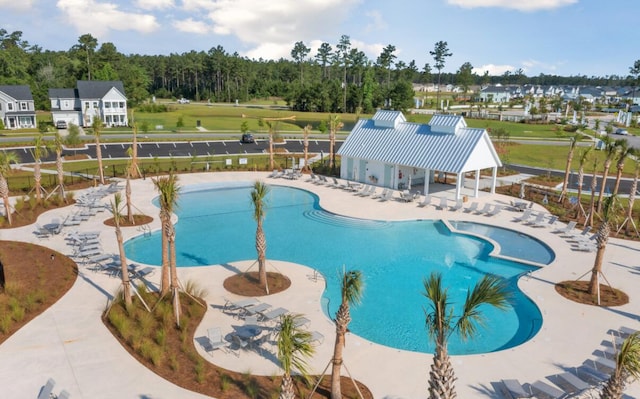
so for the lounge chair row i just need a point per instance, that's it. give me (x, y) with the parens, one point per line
(592, 373)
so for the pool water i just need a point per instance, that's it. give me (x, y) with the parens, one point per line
(216, 226)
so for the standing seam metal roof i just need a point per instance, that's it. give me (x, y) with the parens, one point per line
(414, 145)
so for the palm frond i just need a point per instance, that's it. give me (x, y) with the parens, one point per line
(490, 290)
(294, 345)
(628, 358)
(352, 287)
(258, 195)
(438, 318)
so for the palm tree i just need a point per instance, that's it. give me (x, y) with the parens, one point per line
(305, 138)
(97, 127)
(6, 158)
(441, 322)
(627, 366)
(624, 152)
(572, 146)
(584, 154)
(592, 201)
(632, 195)
(40, 149)
(116, 204)
(351, 289)
(168, 189)
(602, 238)
(294, 347)
(134, 171)
(271, 128)
(130, 170)
(334, 125)
(610, 149)
(258, 194)
(57, 145)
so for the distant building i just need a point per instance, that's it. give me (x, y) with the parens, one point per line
(89, 100)
(17, 109)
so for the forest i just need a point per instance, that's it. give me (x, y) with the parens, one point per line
(337, 78)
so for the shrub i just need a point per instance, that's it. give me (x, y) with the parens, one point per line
(161, 336)
(5, 323)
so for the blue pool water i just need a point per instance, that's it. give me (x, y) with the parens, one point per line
(215, 226)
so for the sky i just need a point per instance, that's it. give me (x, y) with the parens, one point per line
(556, 37)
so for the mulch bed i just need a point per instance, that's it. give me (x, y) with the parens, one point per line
(577, 291)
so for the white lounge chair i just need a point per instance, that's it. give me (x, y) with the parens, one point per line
(542, 389)
(426, 201)
(387, 196)
(370, 192)
(444, 204)
(568, 228)
(272, 314)
(458, 206)
(513, 389)
(231, 306)
(47, 390)
(472, 208)
(317, 337)
(485, 209)
(538, 221)
(496, 210)
(571, 383)
(382, 194)
(524, 217)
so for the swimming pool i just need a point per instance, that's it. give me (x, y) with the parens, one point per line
(216, 226)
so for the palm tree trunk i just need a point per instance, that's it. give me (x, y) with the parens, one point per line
(165, 278)
(613, 388)
(580, 182)
(134, 172)
(126, 285)
(4, 192)
(632, 198)
(271, 162)
(601, 239)
(589, 221)
(37, 178)
(261, 248)
(60, 172)
(99, 158)
(618, 178)
(128, 198)
(286, 390)
(174, 274)
(342, 321)
(441, 376)
(567, 169)
(605, 174)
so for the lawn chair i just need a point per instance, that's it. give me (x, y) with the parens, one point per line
(47, 389)
(215, 340)
(426, 201)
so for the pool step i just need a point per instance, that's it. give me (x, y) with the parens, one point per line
(342, 221)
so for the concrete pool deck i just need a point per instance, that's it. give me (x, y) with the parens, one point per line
(69, 343)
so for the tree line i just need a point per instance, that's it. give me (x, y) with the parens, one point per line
(337, 78)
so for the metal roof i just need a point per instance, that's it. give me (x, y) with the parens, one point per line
(419, 146)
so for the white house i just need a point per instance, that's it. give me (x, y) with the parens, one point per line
(90, 99)
(17, 108)
(390, 152)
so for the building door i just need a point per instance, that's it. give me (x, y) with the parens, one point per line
(388, 176)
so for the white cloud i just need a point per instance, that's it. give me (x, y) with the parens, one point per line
(154, 4)
(533, 64)
(521, 5)
(21, 5)
(494, 70)
(269, 28)
(98, 18)
(376, 21)
(190, 25)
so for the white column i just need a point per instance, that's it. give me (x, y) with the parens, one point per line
(458, 184)
(427, 177)
(477, 184)
(494, 178)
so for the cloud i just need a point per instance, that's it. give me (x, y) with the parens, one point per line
(154, 4)
(494, 70)
(190, 25)
(533, 64)
(269, 28)
(376, 21)
(98, 18)
(520, 5)
(21, 5)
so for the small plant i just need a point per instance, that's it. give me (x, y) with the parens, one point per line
(120, 322)
(225, 382)
(174, 363)
(199, 369)
(194, 289)
(251, 388)
(147, 323)
(161, 337)
(5, 323)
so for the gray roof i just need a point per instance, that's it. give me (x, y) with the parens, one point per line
(421, 146)
(62, 93)
(97, 88)
(18, 92)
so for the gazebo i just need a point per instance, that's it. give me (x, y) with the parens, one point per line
(388, 151)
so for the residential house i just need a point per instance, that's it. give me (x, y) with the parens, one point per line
(498, 94)
(388, 151)
(17, 108)
(90, 99)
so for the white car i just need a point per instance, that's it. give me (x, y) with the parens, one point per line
(183, 101)
(623, 132)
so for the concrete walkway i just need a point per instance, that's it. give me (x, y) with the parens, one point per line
(69, 343)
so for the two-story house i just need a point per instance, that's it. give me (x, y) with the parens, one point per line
(90, 99)
(17, 109)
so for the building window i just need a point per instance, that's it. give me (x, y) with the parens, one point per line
(121, 104)
(107, 104)
(9, 107)
(86, 105)
(66, 104)
(23, 106)
(95, 104)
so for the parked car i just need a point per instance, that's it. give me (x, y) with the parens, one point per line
(61, 124)
(621, 131)
(183, 101)
(247, 138)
